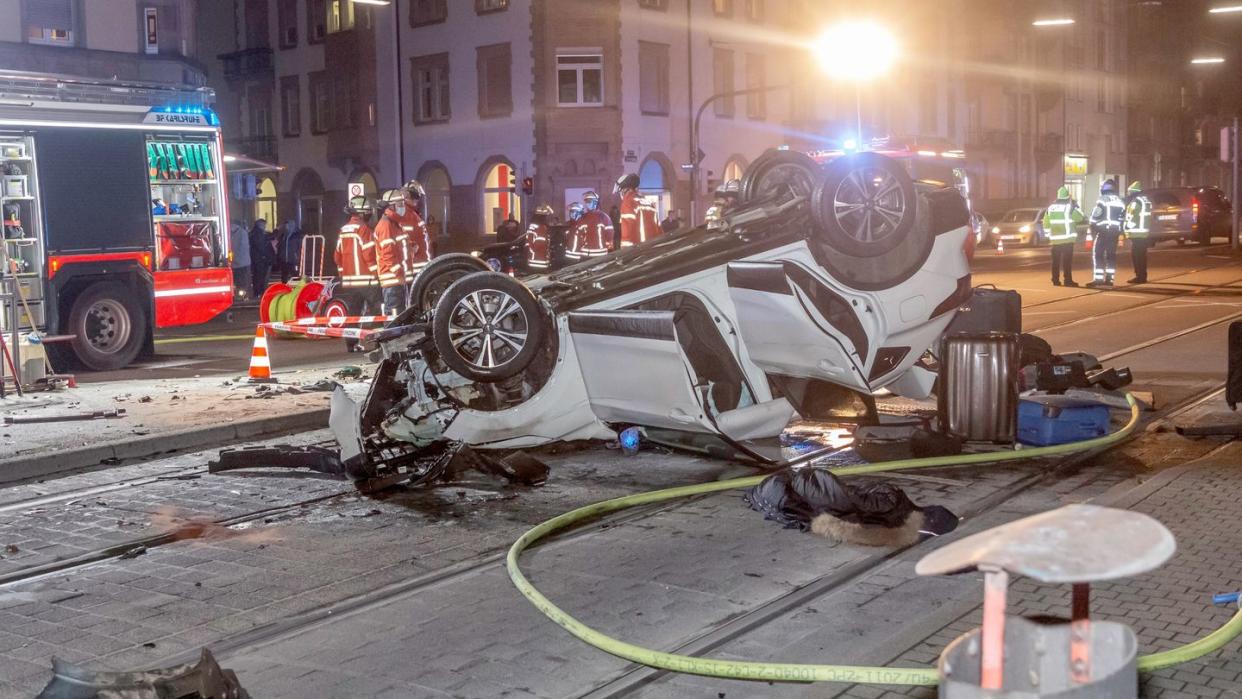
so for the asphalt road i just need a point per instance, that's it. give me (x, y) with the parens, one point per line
(222, 347)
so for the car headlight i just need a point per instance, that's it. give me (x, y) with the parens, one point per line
(1025, 229)
(996, 229)
(476, 253)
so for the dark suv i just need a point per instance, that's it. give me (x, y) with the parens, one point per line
(1189, 213)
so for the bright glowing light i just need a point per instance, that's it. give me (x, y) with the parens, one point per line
(996, 229)
(856, 51)
(927, 153)
(1026, 228)
(953, 154)
(229, 158)
(1226, 8)
(1207, 60)
(371, 2)
(1056, 22)
(849, 144)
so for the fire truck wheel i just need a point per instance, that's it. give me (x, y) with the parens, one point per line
(488, 327)
(436, 277)
(106, 323)
(779, 175)
(866, 204)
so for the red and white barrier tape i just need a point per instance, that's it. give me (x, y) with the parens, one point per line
(349, 333)
(339, 320)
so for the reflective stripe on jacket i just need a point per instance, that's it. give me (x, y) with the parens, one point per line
(1109, 212)
(1138, 217)
(1061, 221)
(355, 253)
(537, 246)
(593, 236)
(639, 221)
(390, 260)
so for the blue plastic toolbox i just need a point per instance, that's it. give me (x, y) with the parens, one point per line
(1045, 420)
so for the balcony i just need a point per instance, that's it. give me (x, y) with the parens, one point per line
(248, 64)
(258, 147)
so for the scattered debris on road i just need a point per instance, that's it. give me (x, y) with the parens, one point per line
(279, 456)
(203, 680)
(64, 417)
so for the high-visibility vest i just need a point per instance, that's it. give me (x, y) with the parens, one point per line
(1061, 221)
(1109, 212)
(1138, 217)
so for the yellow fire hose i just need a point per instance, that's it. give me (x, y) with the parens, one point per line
(794, 672)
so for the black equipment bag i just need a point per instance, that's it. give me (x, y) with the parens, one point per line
(1233, 384)
(988, 310)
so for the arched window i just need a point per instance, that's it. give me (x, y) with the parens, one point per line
(265, 202)
(733, 170)
(653, 184)
(499, 201)
(436, 181)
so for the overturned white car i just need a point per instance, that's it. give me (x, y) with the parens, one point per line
(826, 284)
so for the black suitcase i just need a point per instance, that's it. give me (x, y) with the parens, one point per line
(988, 310)
(1233, 383)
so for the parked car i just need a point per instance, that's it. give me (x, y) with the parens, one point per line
(1189, 213)
(1020, 227)
(826, 283)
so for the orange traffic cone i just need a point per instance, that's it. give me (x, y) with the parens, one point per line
(1000, 246)
(260, 363)
(1090, 243)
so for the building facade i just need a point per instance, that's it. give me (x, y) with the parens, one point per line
(147, 41)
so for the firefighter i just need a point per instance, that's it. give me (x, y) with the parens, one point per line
(1106, 221)
(389, 257)
(415, 239)
(574, 212)
(355, 252)
(1137, 229)
(593, 233)
(727, 195)
(537, 247)
(639, 220)
(1061, 220)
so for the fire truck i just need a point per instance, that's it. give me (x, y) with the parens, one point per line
(115, 217)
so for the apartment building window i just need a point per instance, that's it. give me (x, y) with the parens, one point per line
(340, 15)
(316, 21)
(431, 88)
(320, 102)
(49, 22)
(723, 8)
(580, 79)
(654, 4)
(291, 105)
(424, 12)
(287, 20)
(495, 84)
(754, 10)
(653, 78)
(722, 76)
(481, 6)
(756, 78)
(255, 13)
(260, 113)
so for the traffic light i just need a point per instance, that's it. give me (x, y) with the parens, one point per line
(528, 186)
(513, 181)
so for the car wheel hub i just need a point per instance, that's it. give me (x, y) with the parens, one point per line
(488, 329)
(869, 205)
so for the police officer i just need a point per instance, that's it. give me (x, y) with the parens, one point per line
(1137, 228)
(389, 255)
(1061, 220)
(538, 254)
(639, 221)
(593, 233)
(1106, 221)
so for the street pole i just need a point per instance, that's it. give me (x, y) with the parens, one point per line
(858, 111)
(694, 139)
(396, 31)
(1233, 234)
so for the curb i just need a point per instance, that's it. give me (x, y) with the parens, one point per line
(38, 466)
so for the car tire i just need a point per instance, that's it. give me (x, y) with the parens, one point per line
(866, 204)
(780, 175)
(107, 325)
(437, 276)
(488, 327)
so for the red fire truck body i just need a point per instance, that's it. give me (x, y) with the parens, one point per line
(115, 213)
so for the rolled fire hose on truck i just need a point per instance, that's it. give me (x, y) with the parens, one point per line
(799, 672)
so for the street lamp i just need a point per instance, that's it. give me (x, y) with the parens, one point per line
(1207, 60)
(1225, 9)
(1056, 22)
(856, 51)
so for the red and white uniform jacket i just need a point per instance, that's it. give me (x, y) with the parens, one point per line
(415, 242)
(355, 253)
(537, 252)
(639, 222)
(389, 255)
(593, 236)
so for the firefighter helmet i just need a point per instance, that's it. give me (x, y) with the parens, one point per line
(1063, 192)
(544, 210)
(1135, 187)
(1108, 187)
(625, 182)
(590, 199)
(415, 189)
(575, 211)
(359, 205)
(730, 188)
